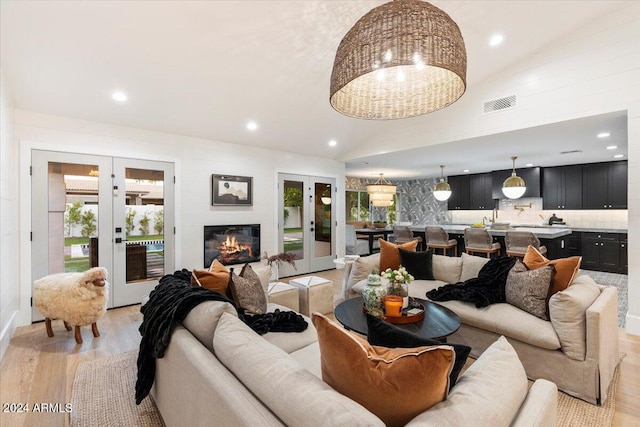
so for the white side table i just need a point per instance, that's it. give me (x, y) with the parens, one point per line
(283, 294)
(314, 294)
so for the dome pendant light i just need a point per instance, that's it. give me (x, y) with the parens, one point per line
(514, 186)
(442, 190)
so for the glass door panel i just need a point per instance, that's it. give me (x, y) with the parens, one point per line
(143, 249)
(68, 214)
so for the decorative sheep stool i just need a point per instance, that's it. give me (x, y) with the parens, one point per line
(79, 299)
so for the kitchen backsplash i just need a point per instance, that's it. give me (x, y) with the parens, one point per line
(529, 211)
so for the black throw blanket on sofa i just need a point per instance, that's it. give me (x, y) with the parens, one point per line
(170, 302)
(487, 288)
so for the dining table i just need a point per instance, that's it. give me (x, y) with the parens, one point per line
(371, 233)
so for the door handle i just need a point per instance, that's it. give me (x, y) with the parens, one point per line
(313, 229)
(118, 239)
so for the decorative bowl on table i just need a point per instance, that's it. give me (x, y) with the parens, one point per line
(379, 224)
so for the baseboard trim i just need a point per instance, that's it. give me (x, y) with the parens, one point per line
(7, 333)
(633, 324)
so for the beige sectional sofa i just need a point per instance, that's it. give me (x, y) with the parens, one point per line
(216, 371)
(577, 349)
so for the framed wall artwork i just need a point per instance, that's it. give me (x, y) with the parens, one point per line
(230, 190)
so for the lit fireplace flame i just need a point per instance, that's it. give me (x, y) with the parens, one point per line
(231, 247)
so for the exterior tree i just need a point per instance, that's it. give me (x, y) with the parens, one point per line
(130, 220)
(88, 224)
(73, 216)
(144, 224)
(158, 221)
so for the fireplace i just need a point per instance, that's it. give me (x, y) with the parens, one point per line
(231, 244)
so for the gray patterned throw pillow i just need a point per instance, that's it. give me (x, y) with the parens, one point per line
(248, 294)
(528, 289)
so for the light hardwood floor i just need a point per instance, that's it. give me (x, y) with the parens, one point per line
(38, 369)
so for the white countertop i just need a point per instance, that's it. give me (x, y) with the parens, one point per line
(540, 232)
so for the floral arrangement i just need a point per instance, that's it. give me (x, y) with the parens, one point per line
(397, 276)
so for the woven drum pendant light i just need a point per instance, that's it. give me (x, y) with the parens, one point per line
(514, 187)
(402, 59)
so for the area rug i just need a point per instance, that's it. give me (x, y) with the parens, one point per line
(103, 394)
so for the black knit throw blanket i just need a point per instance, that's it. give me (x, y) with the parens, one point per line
(170, 302)
(487, 288)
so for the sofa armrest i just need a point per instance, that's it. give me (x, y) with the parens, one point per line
(602, 336)
(345, 279)
(540, 408)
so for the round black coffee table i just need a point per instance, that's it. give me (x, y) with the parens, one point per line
(438, 323)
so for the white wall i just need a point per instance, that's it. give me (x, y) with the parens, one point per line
(9, 283)
(195, 159)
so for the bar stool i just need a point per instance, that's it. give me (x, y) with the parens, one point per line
(479, 240)
(517, 243)
(437, 238)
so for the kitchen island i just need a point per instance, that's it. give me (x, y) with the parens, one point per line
(553, 237)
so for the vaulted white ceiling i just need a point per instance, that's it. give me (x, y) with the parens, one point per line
(205, 68)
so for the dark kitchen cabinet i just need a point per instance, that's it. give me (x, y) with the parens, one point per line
(604, 185)
(480, 191)
(531, 177)
(604, 252)
(575, 243)
(459, 199)
(562, 187)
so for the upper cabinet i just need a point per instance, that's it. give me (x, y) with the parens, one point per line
(604, 185)
(531, 178)
(480, 191)
(459, 199)
(562, 187)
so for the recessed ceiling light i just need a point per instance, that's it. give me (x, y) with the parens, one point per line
(529, 165)
(496, 39)
(252, 126)
(466, 171)
(611, 147)
(604, 135)
(618, 156)
(333, 143)
(119, 96)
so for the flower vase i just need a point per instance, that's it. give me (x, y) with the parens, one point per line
(373, 293)
(400, 289)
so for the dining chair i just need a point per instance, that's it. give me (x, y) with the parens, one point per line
(354, 246)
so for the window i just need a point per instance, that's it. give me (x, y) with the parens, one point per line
(357, 205)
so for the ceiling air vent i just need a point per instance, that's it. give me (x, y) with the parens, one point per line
(571, 152)
(499, 104)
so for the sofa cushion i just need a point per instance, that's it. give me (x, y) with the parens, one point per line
(567, 310)
(395, 384)
(291, 341)
(387, 335)
(471, 266)
(489, 393)
(528, 289)
(248, 293)
(291, 392)
(215, 278)
(418, 264)
(389, 254)
(505, 319)
(362, 267)
(566, 268)
(446, 268)
(309, 358)
(419, 288)
(203, 319)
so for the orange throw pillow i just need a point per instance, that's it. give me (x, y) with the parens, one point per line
(216, 278)
(396, 384)
(390, 255)
(566, 268)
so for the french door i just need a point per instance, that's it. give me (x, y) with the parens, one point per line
(306, 222)
(103, 211)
